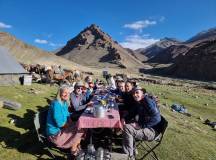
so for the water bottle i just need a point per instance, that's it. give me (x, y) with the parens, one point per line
(100, 154)
(91, 149)
(107, 155)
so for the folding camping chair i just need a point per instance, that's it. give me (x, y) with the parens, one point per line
(149, 147)
(40, 127)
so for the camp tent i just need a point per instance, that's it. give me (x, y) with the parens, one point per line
(10, 69)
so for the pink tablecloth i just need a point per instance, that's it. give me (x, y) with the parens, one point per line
(111, 120)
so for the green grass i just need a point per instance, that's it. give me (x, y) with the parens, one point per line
(18, 140)
(187, 138)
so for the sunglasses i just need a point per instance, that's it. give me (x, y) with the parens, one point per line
(79, 87)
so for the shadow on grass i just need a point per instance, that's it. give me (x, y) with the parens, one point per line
(26, 142)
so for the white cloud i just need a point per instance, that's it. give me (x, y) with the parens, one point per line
(4, 26)
(52, 44)
(146, 35)
(137, 41)
(41, 41)
(139, 25)
(55, 44)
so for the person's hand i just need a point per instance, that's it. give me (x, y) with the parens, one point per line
(136, 126)
(90, 104)
(66, 125)
(123, 121)
(120, 100)
(117, 98)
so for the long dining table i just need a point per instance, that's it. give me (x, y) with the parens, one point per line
(111, 119)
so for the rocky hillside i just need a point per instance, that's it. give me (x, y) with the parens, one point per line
(136, 54)
(32, 55)
(204, 35)
(192, 59)
(198, 63)
(169, 54)
(93, 47)
(158, 47)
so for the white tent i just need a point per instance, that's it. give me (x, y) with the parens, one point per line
(10, 69)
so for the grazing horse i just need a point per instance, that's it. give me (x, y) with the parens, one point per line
(64, 77)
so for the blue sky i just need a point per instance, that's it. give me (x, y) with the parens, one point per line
(49, 24)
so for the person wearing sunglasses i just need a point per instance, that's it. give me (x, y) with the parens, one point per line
(78, 101)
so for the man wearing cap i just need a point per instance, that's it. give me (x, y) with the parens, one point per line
(78, 99)
(145, 116)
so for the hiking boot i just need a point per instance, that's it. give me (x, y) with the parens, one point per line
(131, 158)
(136, 152)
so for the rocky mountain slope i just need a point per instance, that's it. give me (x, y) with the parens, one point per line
(93, 47)
(32, 55)
(156, 48)
(198, 63)
(170, 53)
(204, 35)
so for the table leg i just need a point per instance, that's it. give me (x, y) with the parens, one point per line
(90, 136)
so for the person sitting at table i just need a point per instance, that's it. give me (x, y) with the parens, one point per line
(88, 79)
(128, 100)
(146, 116)
(111, 82)
(78, 101)
(87, 93)
(91, 85)
(118, 79)
(59, 128)
(119, 91)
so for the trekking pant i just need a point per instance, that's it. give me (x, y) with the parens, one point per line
(131, 133)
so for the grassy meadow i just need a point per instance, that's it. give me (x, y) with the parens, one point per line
(187, 138)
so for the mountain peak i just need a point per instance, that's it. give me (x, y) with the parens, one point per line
(157, 47)
(93, 42)
(96, 31)
(169, 39)
(94, 26)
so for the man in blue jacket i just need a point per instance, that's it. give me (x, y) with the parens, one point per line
(142, 121)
